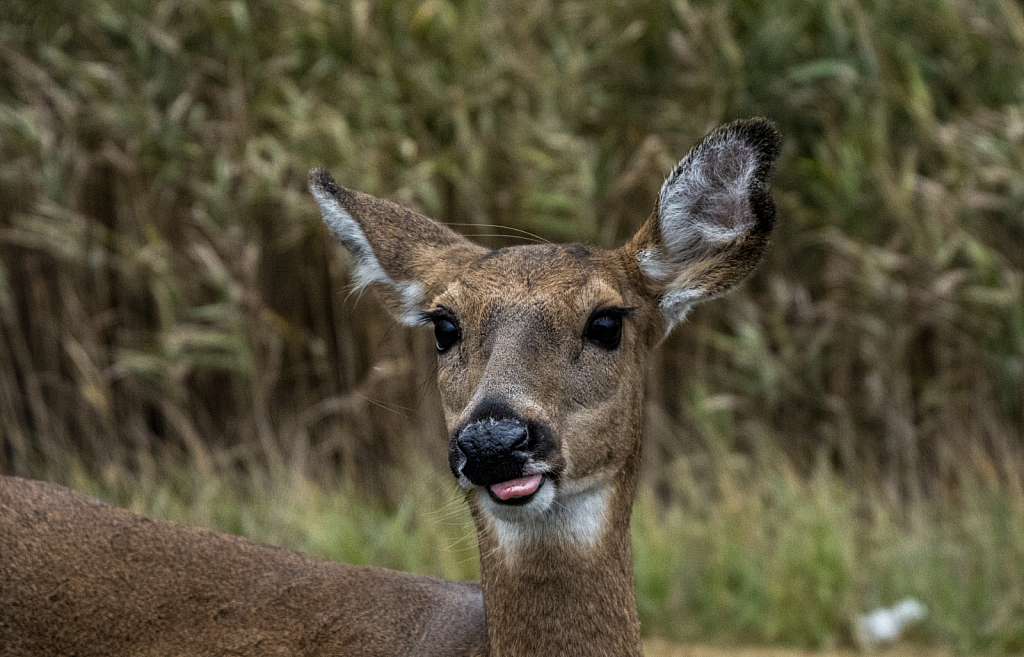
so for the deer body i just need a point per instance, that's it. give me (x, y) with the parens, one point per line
(80, 577)
(541, 357)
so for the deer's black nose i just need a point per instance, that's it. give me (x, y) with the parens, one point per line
(490, 451)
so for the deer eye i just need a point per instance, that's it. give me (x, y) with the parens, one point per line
(447, 333)
(605, 329)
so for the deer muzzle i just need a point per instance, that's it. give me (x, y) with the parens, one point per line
(491, 451)
(501, 451)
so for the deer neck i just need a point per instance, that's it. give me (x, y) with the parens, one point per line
(565, 588)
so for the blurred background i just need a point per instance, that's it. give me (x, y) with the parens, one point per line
(178, 333)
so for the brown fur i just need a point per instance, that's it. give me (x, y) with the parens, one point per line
(80, 577)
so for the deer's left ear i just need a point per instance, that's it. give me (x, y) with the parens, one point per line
(406, 257)
(713, 219)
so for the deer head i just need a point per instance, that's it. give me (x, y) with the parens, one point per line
(541, 356)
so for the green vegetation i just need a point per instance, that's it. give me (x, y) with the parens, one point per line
(176, 331)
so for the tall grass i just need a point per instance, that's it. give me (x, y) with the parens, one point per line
(173, 315)
(769, 557)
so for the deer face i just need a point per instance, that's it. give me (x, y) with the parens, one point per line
(540, 359)
(542, 349)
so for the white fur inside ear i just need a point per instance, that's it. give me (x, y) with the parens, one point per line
(412, 299)
(703, 206)
(341, 223)
(367, 269)
(676, 303)
(705, 201)
(653, 264)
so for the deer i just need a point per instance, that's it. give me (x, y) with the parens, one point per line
(541, 355)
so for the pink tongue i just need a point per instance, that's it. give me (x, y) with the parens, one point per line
(506, 490)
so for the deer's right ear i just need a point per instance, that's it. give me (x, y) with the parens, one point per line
(713, 219)
(406, 257)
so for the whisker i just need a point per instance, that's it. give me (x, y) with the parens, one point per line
(538, 240)
(500, 227)
(449, 511)
(388, 406)
(463, 543)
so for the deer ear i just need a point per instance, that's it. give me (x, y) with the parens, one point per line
(713, 219)
(407, 257)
